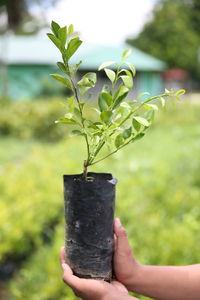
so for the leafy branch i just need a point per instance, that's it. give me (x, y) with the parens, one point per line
(119, 121)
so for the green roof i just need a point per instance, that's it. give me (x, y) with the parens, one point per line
(40, 51)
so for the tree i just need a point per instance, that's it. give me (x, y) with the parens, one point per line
(173, 34)
(18, 13)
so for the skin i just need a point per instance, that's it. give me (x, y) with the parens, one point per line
(157, 282)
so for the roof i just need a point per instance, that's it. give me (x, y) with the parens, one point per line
(40, 51)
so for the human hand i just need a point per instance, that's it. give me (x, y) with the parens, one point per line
(126, 267)
(90, 289)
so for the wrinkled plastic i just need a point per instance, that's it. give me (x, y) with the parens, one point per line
(89, 215)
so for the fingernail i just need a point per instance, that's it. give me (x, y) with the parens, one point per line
(119, 222)
(64, 266)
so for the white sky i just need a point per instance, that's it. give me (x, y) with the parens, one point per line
(104, 21)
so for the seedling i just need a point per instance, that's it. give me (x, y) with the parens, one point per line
(120, 120)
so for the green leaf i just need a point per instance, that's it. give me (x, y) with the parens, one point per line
(55, 40)
(106, 64)
(151, 106)
(55, 27)
(66, 121)
(180, 92)
(92, 78)
(139, 136)
(70, 29)
(62, 67)
(128, 81)
(76, 133)
(63, 80)
(119, 140)
(106, 115)
(70, 103)
(73, 45)
(104, 100)
(142, 121)
(62, 35)
(150, 115)
(126, 53)
(136, 125)
(127, 133)
(132, 68)
(143, 94)
(162, 100)
(120, 95)
(111, 74)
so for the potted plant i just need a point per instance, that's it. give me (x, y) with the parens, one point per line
(120, 121)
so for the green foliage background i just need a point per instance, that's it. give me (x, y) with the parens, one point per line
(158, 194)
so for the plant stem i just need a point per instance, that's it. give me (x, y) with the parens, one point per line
(82, 119)
(113, 151)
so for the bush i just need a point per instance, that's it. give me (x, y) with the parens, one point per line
(32, 119)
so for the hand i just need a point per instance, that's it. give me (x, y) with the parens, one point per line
(126, 267)
(90, 289)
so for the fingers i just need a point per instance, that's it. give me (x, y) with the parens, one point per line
(122, 243)
(62, 255)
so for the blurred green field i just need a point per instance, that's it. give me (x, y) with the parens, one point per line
(158, 195)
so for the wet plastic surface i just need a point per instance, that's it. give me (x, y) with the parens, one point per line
(89, 214)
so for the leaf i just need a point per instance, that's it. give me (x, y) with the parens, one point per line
(151, 106)
(136, 125)
(106, 115)
(128, 81)
(126, 53)
(73, 45)
(66, 121)
(104, 100)
(162, 100)
(76, 133)
(62, 35)
(119, 140)
(142, 121)
(150, 115)
(63, 80)
(55, 40)
(139, 136)
(55, 27)
(127, 133)
(132, 68)
(111, 74)
(62, 67)
(142, 94)
(92, 78)
(105, 64)
(180, 92)
(70, 29)
(120, 95)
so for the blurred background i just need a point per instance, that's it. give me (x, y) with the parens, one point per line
(158, 189)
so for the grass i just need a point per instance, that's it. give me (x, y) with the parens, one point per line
(158, 194)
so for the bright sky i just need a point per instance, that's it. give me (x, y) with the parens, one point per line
(104, 21)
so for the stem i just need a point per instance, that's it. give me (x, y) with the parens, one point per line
(86, 162)
(113, 151)
(85, 170)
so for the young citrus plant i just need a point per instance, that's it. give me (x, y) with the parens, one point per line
(120, 121)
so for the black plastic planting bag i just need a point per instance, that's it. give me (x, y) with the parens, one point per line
(89, 215)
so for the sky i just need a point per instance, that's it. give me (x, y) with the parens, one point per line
(103, 22)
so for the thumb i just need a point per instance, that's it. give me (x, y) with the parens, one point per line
(122, 244)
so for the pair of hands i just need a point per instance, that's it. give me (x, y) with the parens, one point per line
(125, 267)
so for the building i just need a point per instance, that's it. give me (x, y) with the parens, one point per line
(31, 59)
